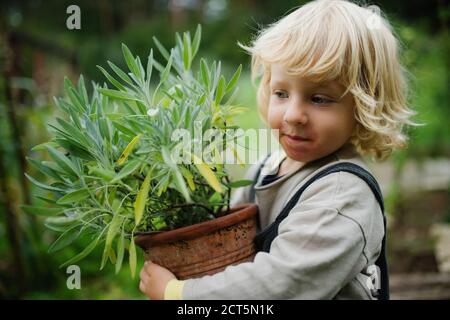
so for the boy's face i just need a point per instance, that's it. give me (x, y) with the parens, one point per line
(312, 121)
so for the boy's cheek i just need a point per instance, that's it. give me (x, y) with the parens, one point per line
(274, 118)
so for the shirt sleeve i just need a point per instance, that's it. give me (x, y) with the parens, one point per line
(173, 290)
(317, 251)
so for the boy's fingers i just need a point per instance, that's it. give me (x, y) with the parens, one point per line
(144, 275)
(142, 287)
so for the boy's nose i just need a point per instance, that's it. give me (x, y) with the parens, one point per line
(295, 114)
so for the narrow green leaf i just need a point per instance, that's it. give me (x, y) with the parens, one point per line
(166, 72)
(82, 90)
(220, 90)
(62, 161)
(240, 183)
(196, 41)
(118, 94)
(74, 196)
(105, 174)
(161, 49)
(181, 185)
(133, 258)
(41, 211)
(129, 59)
(205, 73)
(125, 130)
(113, 81)
(113, 228)
(128, 169)
(42, 185)
(232, 83)
(141, 199)
(44, 169)
(120, 251)
(83, 253)
(41, 147)
(208, 174)
(186, 52)
(122, 75)
(65, 239)
(126, 152)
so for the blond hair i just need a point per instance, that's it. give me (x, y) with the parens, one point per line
(338, 40)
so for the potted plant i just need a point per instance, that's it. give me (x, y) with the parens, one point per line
(127, 166)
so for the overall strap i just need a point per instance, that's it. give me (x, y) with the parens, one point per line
(255, 180)
(264, 239)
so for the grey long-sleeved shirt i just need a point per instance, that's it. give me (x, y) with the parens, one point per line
(324, 248)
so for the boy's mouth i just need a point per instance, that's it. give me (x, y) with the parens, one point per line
(296, 138)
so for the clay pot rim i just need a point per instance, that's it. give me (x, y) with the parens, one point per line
(241, 213)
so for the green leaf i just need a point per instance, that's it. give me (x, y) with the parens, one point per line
(208, 174)
(129, 59)
(141, 199)
(240, 183)
(133, 258)
(74, 196)
(83, 253)
(113, 228)
(65, 239)
(186, 52)
(215, 198)
(128, 149)
(113, 81)
(125, 130)
(41, 211)
(181, 185)
(82, 90)
(161, 49)
(73, 132)
(41, 147)
(166, 71)
(61, 221)
(105, 174)
(76, 100)
(120, 95)
(128, 169)
(196, 41)
(220, 90)
(205, 73)
(44, 169)
(189, 177)
(122, 75)
(42, 185)
(62, 161)
(120, 251)
(149, 68)
(232, 83)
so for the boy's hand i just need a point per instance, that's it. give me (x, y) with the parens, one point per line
(154, 279)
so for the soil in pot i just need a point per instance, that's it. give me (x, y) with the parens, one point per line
(204, 248)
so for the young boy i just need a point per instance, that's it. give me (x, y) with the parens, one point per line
(333, 86)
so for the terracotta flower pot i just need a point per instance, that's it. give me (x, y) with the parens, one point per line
(204, 248)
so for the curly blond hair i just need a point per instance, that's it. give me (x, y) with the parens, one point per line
(339, 40)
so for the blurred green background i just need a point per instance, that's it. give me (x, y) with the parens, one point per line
(37, 50)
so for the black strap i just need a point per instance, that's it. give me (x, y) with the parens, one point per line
(255, 180)
(264, 239)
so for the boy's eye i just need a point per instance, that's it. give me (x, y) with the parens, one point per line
(320, 100)
(281, 94)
